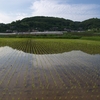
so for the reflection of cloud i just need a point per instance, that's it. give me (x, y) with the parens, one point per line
(68, 11)
(61, 59)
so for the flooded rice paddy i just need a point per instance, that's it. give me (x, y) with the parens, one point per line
(49, 69)
(73, 75)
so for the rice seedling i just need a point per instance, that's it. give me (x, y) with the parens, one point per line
(34, 70)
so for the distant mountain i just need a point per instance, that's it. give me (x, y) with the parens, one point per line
(42, 23)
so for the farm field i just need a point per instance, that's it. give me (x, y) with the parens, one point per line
(49, 69)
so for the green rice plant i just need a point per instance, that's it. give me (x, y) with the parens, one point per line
(52, 45)
(18, 98)
(42, 98)
(98, 96)
(54, 97)
(71, 97)
(20, 93)
(91, 96)
(66, 97)
(13, 99)
(15, 93)
(3, 93)
(59, 98)
(36, 98)
(74, 76)
(76, 97)
(9, 93)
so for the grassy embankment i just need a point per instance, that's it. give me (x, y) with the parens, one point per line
(65, 35)
(51, 36)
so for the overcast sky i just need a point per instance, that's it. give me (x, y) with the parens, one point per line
(76, 10)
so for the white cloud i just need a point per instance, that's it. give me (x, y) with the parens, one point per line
(4, 18)
(21, 16)
(74, 12)
(8, 18)
(11, 10)
(15, 2)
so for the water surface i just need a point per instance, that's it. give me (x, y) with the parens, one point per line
(66, 76)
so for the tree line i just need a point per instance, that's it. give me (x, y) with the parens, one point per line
(42, 23)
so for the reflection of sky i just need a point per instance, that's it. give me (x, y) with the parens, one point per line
(5, 51)
(67, 58)
(72, 58)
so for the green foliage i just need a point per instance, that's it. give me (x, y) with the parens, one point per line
(93, 24)
(95, 38)
(42, 23)
(51, 36)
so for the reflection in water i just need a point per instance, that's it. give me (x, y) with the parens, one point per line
(69, 75)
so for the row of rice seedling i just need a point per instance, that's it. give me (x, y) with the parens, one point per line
(42, 66)
(3, 56)
(4, 72)
(51, 80)
(54, 70)
(78, 62)
(38, 70)
(25, 77)
(88, 71)
(9, 67)
(53, 45)
(20, 81)
(47, 77)
(92, 68)
(40, 50)
(78, 67)
(41, 76)
(16, 67)
(73, 72)
(65, 70)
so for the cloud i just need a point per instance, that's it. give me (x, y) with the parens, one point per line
(8, 18)
(11, 10)
(4, 18)
(76, 12)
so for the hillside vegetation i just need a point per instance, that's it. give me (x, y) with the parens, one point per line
(41, 23)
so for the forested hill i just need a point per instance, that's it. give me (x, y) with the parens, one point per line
(41, 23)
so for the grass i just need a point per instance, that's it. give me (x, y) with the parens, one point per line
(95, 38)
(50, 36)
(51, 46)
